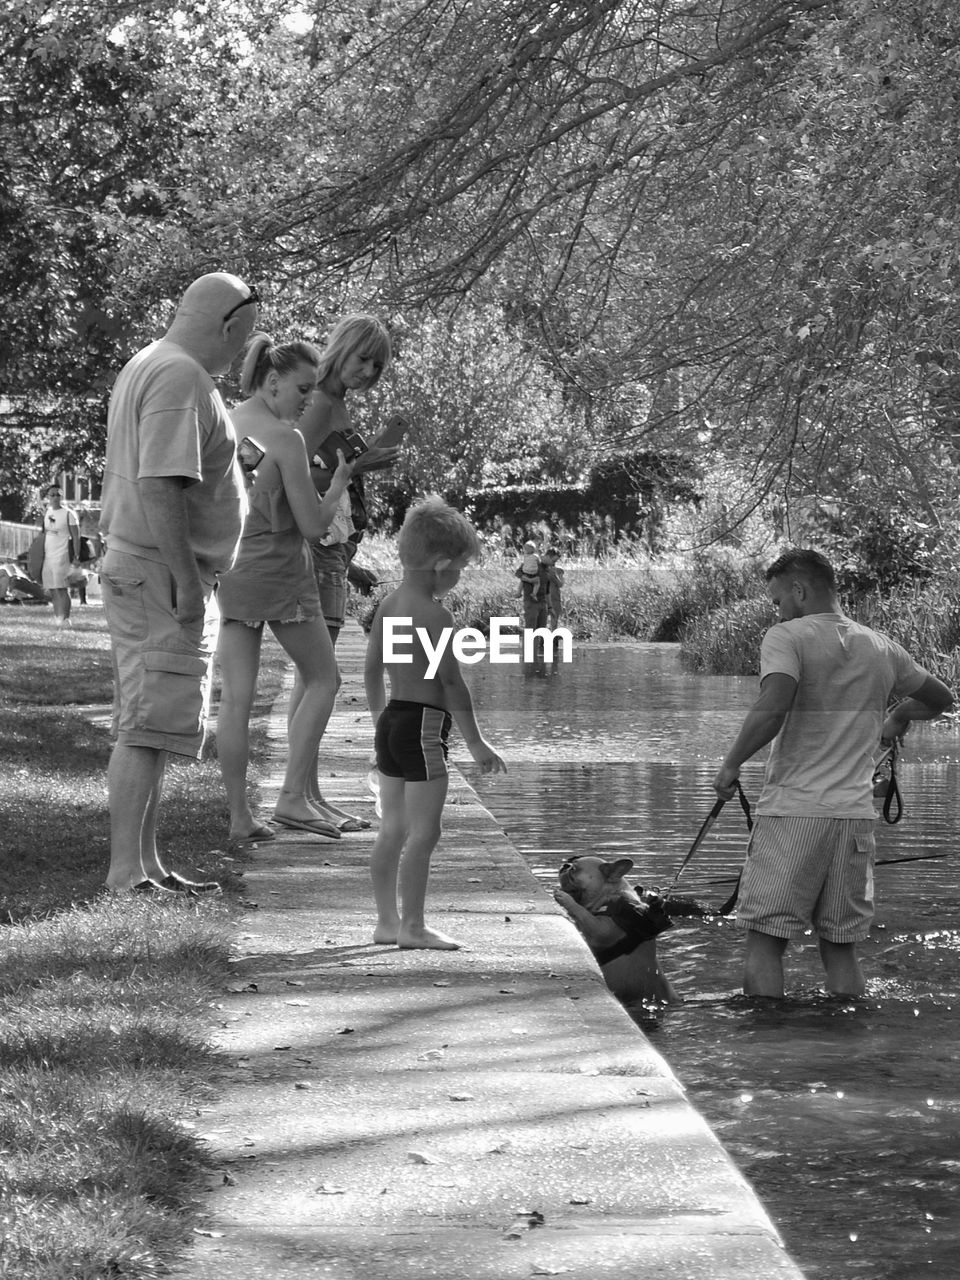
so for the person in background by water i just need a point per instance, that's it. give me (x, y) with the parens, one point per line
(551, 582)
(61, 545)
(528, 570)
(436, 543)
(356, 354)
(826, 683)
(172, 513)
(273, 582)
(532, 595)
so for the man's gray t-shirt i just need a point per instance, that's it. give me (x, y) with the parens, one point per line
(821, 762)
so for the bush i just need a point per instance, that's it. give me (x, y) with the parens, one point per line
(726, 641)
(602, 600)
(925, 620)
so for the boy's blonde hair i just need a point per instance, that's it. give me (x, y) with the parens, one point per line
(432, 531)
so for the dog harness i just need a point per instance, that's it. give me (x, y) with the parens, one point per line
(640, 921)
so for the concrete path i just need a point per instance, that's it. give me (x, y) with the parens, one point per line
(487, 1113)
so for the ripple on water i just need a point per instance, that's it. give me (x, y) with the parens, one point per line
(844, 1114)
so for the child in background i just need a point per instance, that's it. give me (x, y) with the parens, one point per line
(529, 572)
(436, 543)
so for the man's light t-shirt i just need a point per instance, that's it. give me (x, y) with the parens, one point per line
(821, 762)
(167, 419)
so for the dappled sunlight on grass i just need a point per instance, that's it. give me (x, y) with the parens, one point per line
(104, 999)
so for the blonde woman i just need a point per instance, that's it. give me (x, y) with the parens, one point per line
(273, 583)
(357, 352)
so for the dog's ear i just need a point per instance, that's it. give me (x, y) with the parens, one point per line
(617, 869)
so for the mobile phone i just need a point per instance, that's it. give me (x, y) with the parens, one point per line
(350, 443)
(393, 433)
(250, 454)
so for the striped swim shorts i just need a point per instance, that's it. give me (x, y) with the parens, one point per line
(411, 741)
(803, 872)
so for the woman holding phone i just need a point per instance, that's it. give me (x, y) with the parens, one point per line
(356, 354)
(273, 583)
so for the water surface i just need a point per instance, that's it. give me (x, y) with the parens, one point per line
(845, 1116)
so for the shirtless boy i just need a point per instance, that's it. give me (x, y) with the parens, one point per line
(436, 544)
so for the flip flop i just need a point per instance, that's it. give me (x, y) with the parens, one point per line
(342, 821)
(316, 826)
(350, 823)
(259, 835)
(193, 888)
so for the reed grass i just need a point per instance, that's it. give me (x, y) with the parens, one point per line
(726, 640)
(716, 606)
(925, 620)
(619, 597)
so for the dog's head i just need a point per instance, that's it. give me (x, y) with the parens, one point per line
(592, 881)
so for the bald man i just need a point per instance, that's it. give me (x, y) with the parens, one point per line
(172, 515)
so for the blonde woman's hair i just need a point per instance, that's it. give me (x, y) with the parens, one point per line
(264, 356)
(356, 333)
(433, 530)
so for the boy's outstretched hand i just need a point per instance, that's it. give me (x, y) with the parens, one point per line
(486, 757)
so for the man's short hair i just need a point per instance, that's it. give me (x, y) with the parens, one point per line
(432, 531)
(804, 563)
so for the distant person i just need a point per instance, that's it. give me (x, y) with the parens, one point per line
(825, 688)
(356, 353)
(61, 546)
(551, 585)
(529, 568)
(15, 584)
(171, 513)
(436, 543)
(273, 583)
(532, 598)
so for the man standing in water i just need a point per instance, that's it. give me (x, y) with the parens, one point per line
(825, 686)
(172, 514)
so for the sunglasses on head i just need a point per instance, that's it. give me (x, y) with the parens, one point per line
(253, 296)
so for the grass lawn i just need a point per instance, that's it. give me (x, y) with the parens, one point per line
(105, 1002)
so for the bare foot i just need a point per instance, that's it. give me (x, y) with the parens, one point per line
(293, 805)
(425, 939)
(385, 935)
(250, 831)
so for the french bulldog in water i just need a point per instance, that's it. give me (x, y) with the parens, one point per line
(621, 925)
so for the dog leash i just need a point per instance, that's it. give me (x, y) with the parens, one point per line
(884, 783)
(891, 797)
(880, 862)
(707, 823)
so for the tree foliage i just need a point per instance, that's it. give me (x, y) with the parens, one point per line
(725, 229)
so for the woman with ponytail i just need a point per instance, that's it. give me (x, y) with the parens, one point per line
(273, 582)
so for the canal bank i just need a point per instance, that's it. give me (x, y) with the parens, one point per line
(487, 1113)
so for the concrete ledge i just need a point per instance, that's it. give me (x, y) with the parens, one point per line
(486, 1113)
